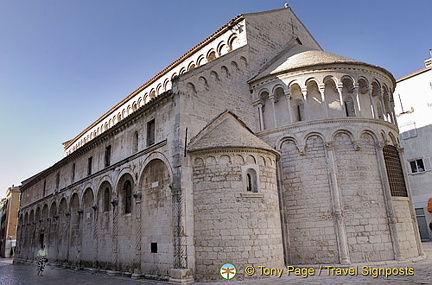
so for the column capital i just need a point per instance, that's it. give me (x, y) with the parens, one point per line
(302, 149)
(381, 144)
(258, 103)
(329, 145)
(137, 196)
(114, 202)
(357, 145)
(304, 90)
(272, 97)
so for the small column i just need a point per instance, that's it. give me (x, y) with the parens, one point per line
(69, 230)
(340, 88)
(79, 240)
(272, 100)
(138, 236)
(358, 105)
(321, 89)
(306, 107)
(373, 107)
(114, 204)
(259, 105)
(288, 97)
(388, 199)
(56, 228)
(95, 235)
(383, 106)
(336, 205)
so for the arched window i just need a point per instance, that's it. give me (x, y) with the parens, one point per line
(394, 171)
(251, 181)
(135, 143)
(106, 200)
(127, 192)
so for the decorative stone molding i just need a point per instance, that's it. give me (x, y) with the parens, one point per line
(381, 144)
(357, 145)
(302, 149)
(114, 202)
(329, 145)
(137, 196)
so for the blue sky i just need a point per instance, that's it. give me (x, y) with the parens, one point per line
(65, 63)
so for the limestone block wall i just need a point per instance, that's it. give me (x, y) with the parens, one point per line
(231, 223)
(407, 230)
(82, 216)
(307, 203)
(364, 209)
(335, 195)
(268, 34)
(220, 85)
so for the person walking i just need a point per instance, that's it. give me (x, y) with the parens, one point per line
(41, 260)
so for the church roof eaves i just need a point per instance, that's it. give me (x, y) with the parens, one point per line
(302, 57)
(224, 132)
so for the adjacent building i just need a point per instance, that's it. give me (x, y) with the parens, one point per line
(9, 208)
(413, 106)
(255, 147)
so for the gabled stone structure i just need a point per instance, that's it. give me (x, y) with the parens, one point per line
(255, 147)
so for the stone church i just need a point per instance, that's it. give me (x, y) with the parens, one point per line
(255, 147)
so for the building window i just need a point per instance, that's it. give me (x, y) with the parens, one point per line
(106, 200)
(127, 191)
(250, 178)
(151, 128)
(57, 180)
(251, 181)
(419, 165)
(394, 171)
(108, 156)
(153, 247)
(73, 172)
(135, 143)
(89, 165)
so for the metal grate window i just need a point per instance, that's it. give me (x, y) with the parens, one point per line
(394, 171)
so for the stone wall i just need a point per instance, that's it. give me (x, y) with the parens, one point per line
(68, 210)
(232, 224)
(364, 209)
(406, 227)
(307, 203)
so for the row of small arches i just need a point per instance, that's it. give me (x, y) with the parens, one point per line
(82, 198)
(383, 136)
(235, 159)
(374, 100)
(217, 75)
(222, 48)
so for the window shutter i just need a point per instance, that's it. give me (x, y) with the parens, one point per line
(427, 163)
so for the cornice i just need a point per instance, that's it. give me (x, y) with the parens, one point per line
(120, 126)
(303, 124)
(234, 149)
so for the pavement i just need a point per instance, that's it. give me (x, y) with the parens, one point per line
(415, 271)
